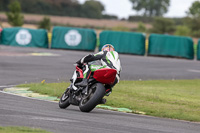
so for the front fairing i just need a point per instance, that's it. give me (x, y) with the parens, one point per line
(105, 75)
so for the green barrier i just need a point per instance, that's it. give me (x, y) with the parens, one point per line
(0, 34)
(174, 46)
(0, 39)
(124, 42)
(24, 37)
(198, 50)
(73, 38)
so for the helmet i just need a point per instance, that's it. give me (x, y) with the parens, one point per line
(108, 47)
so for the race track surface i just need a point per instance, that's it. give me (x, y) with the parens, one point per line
(19, 111)
(22, 65)
(25, 65)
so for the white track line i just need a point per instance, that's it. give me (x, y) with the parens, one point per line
(195, 71)
(5, 86)
(28, 97)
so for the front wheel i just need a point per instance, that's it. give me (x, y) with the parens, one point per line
(93, 98)
(64, 100)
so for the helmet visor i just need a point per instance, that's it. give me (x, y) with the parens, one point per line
(108, 48)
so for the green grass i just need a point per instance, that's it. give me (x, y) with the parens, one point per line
(195, 49)
(51, 89)
(21, 130)
(177, 99)
(98, 42)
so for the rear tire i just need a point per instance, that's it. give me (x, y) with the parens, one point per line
(95, 95)
(64, 100)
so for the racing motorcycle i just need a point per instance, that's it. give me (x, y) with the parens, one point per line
(87, 97)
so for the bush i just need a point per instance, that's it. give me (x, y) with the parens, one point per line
(45, 24)
(182, 31)
(163, 26)
(14, 15)
(141, 27)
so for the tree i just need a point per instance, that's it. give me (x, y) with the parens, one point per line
(151, 7)
(193, 19)
(3, 5)
(92, 9)
(194, 10)
(89, 9)
(163, 26)
(15, 18)
(45, 24)
(193, 24)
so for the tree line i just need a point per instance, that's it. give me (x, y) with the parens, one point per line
(149, 11)
(89, 9)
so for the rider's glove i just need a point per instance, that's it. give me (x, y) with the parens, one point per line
(79, 63)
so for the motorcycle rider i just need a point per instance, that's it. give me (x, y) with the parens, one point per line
(109, 59)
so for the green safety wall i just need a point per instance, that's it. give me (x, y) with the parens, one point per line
(124, 42)
(24, 37)
(167, 45)
(73, 38)
(198, 50)
(0, 34)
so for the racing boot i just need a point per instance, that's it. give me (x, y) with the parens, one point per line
(83, 83)
(108, 91)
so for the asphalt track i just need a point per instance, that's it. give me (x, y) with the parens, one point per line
(18, 66)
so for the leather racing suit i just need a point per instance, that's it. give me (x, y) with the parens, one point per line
(107, 60)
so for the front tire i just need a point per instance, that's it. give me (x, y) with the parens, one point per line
(64, 100)
(95, 95)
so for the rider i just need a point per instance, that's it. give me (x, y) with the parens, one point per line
(109, 59)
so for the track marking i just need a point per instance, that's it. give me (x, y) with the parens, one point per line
(38, 118)
(195, 71)
(147, 116)
(27, 97)
(53, 119)
(5, 86)
(27, 54)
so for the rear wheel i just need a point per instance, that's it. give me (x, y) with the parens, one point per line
(64, 100)
(93, 98)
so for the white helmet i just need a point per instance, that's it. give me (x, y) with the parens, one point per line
(108, 47)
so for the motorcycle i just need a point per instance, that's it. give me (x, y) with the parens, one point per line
(87, 97)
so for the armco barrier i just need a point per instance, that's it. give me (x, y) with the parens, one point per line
(198, 50)
(24, 37)
(73, 38)
(124, 42)
(174, 46)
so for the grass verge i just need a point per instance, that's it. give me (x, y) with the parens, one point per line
(195, 49)
(177, 99)
(21, 130)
